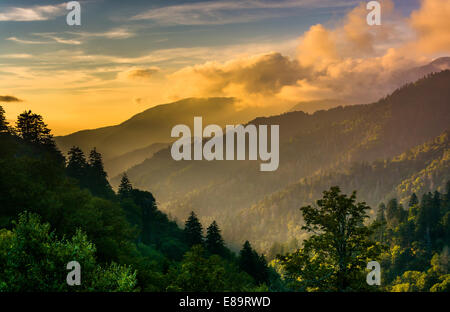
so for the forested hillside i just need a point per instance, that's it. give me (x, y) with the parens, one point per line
(148, 129)
(310, 145)
(54, 211)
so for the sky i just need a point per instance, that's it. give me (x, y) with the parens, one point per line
(127, 56)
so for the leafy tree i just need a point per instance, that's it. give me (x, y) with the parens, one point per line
(193, 231)
(335, 256)
(33, 258)
(214, 242)
(32, 128)
(200, 273)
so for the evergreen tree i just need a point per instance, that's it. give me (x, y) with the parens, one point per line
(77, 166)
(193, 231)
(428, 218)
(253, 264)
(214, 241)
(125, 187)
(3, 122)
(98, 183)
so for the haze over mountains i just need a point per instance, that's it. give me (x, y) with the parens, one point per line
(131, 138)
(235, 193)
(154, 124)
(358, 147)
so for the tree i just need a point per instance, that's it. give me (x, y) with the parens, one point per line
(3, 122)
(125, 187)
(214, 241)
(32, 129)
(253, 264)
(33, 258)
(200, 273)
(193, 231)
(334, 258)
(413, 200)
(98, 182)
(77, 166)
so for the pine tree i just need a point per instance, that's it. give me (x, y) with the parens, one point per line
(193, 231)
(247, 258)
(253, 264)
(3, 122)
(98, 183)
(77, 166)
(214, 241)
(125, 187)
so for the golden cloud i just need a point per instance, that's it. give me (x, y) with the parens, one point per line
(352, 61)
(141, 74)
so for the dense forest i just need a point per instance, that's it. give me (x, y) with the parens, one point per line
(390, 148)
(53, 211)
(57, 208)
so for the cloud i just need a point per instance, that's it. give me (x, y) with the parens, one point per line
(9, 98)
(115, 33)
(266, 73)
(35, 13)
(228, 12)
(351, 61)
(15, 39)
(16, 56)
(141, 74)
(432, 24)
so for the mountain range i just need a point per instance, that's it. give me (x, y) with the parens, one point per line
(393, 147)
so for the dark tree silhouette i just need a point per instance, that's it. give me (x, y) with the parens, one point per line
(254, 264)
(32, 129)
(77, 166)
(214, 241)
(193, 231)
(3, 122)
(98, 183)
(125, 187)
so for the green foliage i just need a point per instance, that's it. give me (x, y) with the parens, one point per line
(32, 258)
(214, 242)
(252, 263)
(335, 256)
(199, 273)
(418, 259)
(193, 231)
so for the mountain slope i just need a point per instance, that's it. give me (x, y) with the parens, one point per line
(154, 126)
(326, 140)
(422, 169)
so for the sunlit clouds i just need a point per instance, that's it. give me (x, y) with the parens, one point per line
(88, 77)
